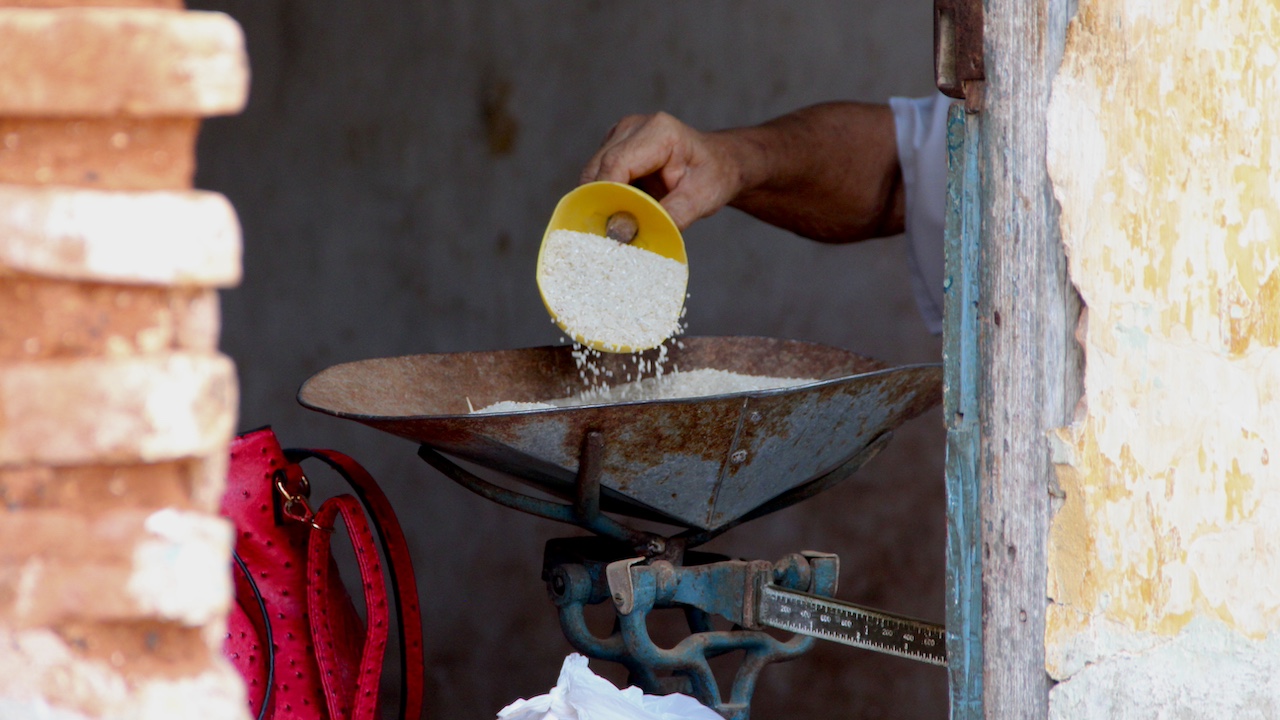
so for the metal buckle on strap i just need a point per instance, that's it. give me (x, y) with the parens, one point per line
(296, 507)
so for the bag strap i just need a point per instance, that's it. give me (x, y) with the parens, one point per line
(365, 703)
(400, 569)
(267, 637)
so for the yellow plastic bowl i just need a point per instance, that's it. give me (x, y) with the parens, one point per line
(587, 208)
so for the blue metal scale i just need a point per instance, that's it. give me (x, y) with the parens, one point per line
(700, 465)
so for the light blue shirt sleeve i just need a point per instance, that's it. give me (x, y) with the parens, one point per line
(921, 128)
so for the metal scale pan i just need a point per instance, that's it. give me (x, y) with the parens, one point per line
(704, 463)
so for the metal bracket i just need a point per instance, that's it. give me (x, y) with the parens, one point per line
(622, 586)
(957, 48)
(826, 570)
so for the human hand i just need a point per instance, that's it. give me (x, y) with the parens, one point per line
(693, 174)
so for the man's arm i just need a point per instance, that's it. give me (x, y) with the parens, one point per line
(828, 172)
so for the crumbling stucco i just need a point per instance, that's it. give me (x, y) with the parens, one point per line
(1206, 672)
(1163, 152)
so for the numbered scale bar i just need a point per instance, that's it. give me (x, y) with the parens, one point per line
(842, 622)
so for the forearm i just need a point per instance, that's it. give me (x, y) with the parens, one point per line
(828, 172)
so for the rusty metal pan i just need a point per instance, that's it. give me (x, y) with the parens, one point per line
(698, 462)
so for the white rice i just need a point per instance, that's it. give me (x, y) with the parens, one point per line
(677, 385)
(671, 386)
(617, 296)
(512, 406)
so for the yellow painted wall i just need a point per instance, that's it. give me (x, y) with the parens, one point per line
(1165, 156)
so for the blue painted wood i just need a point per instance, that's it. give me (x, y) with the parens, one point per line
(960, 403)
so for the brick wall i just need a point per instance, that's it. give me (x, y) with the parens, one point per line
(115, 405)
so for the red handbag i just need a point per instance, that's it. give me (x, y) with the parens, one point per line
(293, 632)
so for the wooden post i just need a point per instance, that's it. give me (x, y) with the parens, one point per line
(1030, 364)
(960, 408)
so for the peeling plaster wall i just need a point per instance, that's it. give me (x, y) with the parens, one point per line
(1164, 560)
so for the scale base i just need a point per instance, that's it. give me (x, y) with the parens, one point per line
(588, 571)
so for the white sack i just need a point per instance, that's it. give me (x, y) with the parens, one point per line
(580, 694)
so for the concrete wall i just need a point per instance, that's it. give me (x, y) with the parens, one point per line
(393, 174)
(1164, 559)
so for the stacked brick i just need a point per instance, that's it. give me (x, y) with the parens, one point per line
(116, 407)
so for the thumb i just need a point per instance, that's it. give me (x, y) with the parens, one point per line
(681, 207)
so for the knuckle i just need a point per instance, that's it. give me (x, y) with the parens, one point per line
(667, 122)
(610, 162)
(628, 123)
(614, 129)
